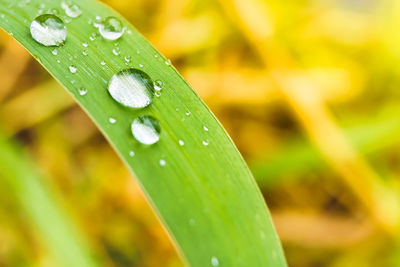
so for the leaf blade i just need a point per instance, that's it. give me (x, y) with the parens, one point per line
(205, 194)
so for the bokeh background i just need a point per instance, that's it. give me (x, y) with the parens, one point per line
(309, 90)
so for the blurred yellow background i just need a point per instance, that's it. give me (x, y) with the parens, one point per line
(309, 90)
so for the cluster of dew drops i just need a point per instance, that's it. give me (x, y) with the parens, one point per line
(130, 87)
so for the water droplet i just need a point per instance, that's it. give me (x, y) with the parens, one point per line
(131, 88)
(141, 65)
(205, 143)
(146, 129)
(92, 37)
(181, 143)
(112, 28)
(85, 52)
(128, 59)
(214, 261)
(162, 162)
(205, 128)
(72, 10)
(188, 113)
(192, 222)
(157, 94)
(112, 120)
(85, 44)
(82, 91)
(48, 30)
(72, 69)
(54, 52)
(102, 63)
(158, 85)
(116, 51)
(168, 62)
(131, 153)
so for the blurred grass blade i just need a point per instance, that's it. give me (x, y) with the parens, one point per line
(53, 224)
(203, 191)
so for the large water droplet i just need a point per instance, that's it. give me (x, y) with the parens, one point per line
(146, 129)
(72, 10)
(48, 30)
(131, 88)
(112, 28)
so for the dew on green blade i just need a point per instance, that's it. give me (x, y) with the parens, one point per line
(146, 130)
(48, 30)
(111, 28)
(72, 10)
(132, 88)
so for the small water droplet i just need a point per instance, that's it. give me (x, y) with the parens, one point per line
(188, 113)
(72, 10)
(181, 143)
(158, 85)
(85, 44)
(111, 29)
(102, 63)
(192, 222)
(82, 91)
(141, 65)
(54, 52)
(116, 51)
(72, 69)
(131, 88)
(48, 30)
(92, 37)
(85, 52)
(146, 129)
(168, 62)
(112, 120)
(214, 261)
(128, 59)
(205, 143)
(157, 94)
(205, 128)
(131, 153)
(162, 162)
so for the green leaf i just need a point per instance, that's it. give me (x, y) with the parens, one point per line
(204, 194)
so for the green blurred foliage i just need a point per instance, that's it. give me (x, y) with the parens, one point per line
(347, 50)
